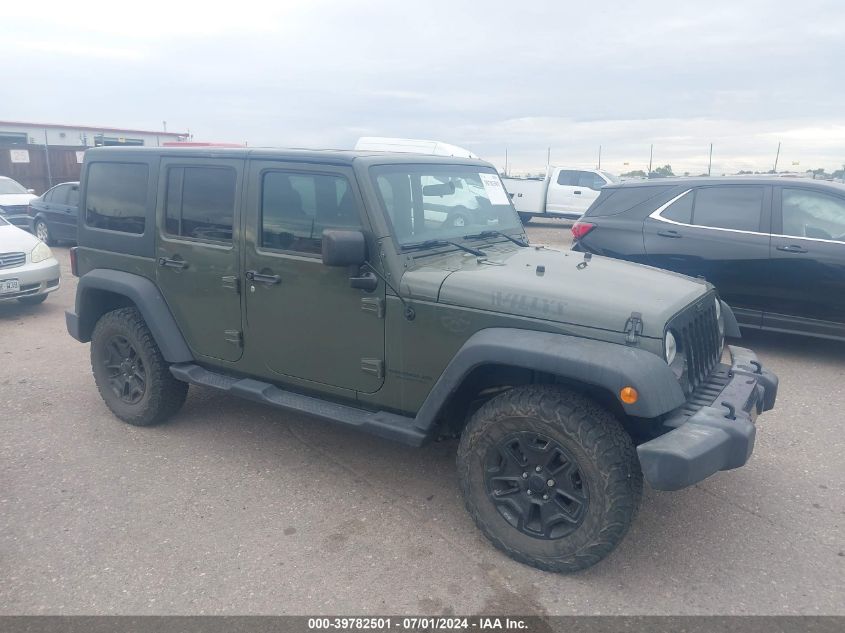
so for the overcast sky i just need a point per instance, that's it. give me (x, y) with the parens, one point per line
(484, 75)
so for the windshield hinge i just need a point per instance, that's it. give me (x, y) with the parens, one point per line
(633, 328)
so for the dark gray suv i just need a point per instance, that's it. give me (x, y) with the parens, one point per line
(774, 248)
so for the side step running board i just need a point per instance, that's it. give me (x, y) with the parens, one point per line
(387, 425)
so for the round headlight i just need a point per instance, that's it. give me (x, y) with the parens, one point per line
(40, 253)
(671, 347)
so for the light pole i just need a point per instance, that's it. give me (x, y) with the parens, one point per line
(710, 161)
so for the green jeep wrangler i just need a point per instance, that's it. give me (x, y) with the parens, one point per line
(398, 294)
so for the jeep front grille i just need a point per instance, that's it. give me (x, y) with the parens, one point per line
(697, 331)
(10, 260)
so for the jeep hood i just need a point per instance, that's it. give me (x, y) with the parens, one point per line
(557, 286)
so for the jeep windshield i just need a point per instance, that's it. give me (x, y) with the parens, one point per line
(435, 204)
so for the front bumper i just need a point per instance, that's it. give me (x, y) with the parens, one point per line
(716, 436)
(34, 279)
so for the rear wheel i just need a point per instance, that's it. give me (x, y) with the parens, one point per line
(42, 232)
(132, 376)
(550, 477)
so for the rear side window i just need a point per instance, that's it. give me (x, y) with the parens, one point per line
(200, 203)
(73, 196)
(736, 208)
(116, 197)
(57, 195)
(680, 210)
(619, 199)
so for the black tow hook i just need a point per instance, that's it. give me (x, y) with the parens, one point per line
(731, 410)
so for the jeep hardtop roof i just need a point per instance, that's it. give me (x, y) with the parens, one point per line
(322, 156)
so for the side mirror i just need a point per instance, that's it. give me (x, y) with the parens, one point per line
(344, 248)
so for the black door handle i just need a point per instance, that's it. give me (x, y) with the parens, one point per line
(669, 233)
(577, 193)
(792, 248)
(164, 262)
(271, 280)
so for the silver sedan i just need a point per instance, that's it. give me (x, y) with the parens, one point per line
(28, 270)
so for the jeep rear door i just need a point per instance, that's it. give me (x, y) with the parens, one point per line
(197, 251)
(720, 233)
(305, 324)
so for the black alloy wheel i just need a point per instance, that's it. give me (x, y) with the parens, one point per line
(536, 485)
(126, 374)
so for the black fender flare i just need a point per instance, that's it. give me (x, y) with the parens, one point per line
(606, 365)
(140, 291)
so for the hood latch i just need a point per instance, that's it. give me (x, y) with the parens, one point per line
(633, 328)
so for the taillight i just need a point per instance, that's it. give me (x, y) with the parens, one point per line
(580, 229)
(73, 266)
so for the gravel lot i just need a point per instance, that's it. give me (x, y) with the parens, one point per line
(236, 508)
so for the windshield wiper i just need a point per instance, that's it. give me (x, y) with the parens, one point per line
(484, 234)
(432, 243)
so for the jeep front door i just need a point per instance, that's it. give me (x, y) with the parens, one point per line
(197, 252)
(305, 324)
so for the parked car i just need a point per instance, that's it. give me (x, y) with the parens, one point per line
(563, 193)
(28, 270)
(774, 248)
(568, 380)
(14, 200)
(53, 215)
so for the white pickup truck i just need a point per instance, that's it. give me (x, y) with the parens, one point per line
(563, 193)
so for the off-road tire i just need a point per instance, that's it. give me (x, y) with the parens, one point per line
(604, 454)
(33, 300)
(163, 394)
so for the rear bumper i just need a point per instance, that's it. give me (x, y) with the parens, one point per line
(718, 436)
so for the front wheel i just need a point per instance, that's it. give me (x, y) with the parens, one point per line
(133, 378)
(550, 477)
